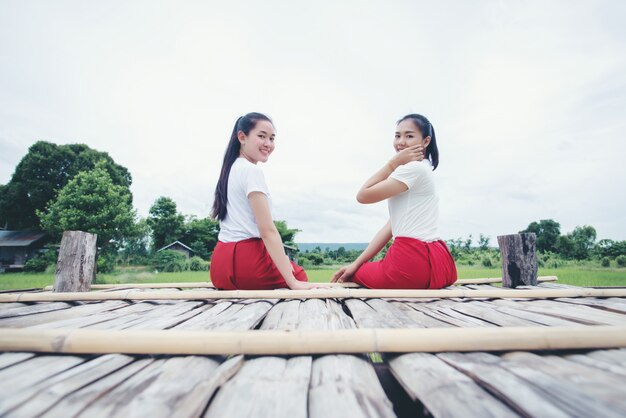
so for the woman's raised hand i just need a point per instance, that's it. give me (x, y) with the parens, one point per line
(344, 274)
(412, 153)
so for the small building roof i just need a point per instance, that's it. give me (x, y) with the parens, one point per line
(20, 238)
(173, 243)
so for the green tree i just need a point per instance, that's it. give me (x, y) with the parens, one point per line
(91, 202)
(43, 172)
(584, 238)
(166, 223)
(578, 244)
(200, 235)
(468, 243)
(286, 234)
(316, 258)
(609, 248)
(483, 242)
(565, 246)
(134, 247)
(547, 231)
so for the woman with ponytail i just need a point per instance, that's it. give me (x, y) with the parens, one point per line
(418, 258)
(249, 253)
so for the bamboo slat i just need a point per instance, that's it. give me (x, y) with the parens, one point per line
(187, 285)
(496, 293)
(346, 386)
(272, 386)
(423, 376)
(168, 387)
(529, 390)
(312, 342)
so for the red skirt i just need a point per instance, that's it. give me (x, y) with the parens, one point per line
(247, 265)
(410, 264)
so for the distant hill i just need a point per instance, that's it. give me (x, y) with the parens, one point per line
(303, 246)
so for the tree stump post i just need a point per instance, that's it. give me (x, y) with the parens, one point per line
(519, 259)
(76, 266)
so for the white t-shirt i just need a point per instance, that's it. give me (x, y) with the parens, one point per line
(240, 223)
(414, 213)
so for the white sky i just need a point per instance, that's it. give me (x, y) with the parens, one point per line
(528, 99)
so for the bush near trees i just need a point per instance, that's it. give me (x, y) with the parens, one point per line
(170, 261)
(36, 265)
(198, 264)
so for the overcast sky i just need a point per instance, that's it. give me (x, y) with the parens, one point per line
(528, 99)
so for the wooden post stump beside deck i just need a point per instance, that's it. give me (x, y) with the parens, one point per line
(76, 266)
(519, 259)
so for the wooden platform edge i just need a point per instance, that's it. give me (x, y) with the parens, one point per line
(337, 293)
(259, 342)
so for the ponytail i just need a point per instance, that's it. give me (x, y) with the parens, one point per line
(426, 129)
(245, 124)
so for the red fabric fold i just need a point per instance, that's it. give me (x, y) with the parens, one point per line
(410, 264)
(247, 265)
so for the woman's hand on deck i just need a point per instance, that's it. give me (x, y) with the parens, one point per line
(298, 285)
(344, 274)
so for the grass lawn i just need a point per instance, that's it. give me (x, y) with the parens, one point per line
(576, 276)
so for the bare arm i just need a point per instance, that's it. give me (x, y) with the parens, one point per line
(379, 241)
(380, 187)
(273, 243)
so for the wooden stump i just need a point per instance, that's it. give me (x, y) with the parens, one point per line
(519, 259)
(76, 266)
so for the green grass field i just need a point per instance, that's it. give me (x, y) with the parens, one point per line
(576, 276)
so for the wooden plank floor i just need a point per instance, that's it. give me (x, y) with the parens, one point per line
(477, 384)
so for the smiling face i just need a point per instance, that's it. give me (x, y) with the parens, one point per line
(259, 143)
(407, 135)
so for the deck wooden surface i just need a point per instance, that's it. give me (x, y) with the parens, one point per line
(476, 384)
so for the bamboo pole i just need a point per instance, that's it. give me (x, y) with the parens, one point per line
(84, 341)
(181, 285)
(495, 293)
(186, 285)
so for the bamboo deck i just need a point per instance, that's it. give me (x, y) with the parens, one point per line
(463, 382)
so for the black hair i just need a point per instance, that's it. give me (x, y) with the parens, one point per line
(245, 124)
(426, 129)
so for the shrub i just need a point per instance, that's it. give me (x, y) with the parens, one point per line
(621, 261)
(168, 260)
(105, 263)
(486, 262)
(605, 262)
(198, 264)
(37, 264)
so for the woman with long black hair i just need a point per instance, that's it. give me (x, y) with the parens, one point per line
(249, 253)
(418, 258)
